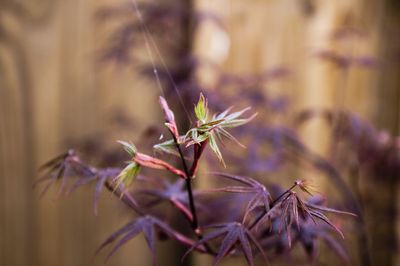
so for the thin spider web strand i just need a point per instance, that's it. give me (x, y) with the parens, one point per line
(148, 36)
(155, 71)
(170, 77)
(148, 48)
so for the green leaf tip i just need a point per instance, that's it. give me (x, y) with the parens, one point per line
(128, 147)
(127, 175)
(201, 109)
(215, 149)
(168, 146)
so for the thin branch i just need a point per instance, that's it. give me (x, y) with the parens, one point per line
(188, 181)
(271, 206)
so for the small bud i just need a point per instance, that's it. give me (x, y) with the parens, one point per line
(305, 186)
(168, 114)
(169, 118)
(201, 109)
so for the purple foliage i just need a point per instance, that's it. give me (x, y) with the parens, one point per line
(260, 217)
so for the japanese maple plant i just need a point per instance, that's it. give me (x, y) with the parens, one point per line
(256, 220)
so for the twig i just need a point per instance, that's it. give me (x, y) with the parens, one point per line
(188, 181)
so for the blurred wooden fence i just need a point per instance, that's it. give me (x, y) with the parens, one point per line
(51, 90)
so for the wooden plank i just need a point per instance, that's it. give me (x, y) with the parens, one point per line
(15, 146)
(51, 91)
(266, 34)
(14, 210)
(383, 191)
(42, 43)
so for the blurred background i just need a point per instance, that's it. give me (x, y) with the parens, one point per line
(78, 74)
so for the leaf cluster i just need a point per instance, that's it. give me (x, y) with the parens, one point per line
(266, 219)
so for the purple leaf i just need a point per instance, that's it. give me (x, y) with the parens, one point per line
(61, 168)
(233, 233)
(260, 195)
(336, 246)
(326, 209)
(145, 224)
(322, 217)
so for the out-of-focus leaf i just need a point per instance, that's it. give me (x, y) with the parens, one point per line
(174, 192)
(100, 176)
(147, 225)
(234, 233)
(57, 160)
(70, 165)
(62, 168)
(336, 247)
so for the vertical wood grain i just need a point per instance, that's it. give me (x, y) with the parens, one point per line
(265, 34)
(15, 146)
(51, 91)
